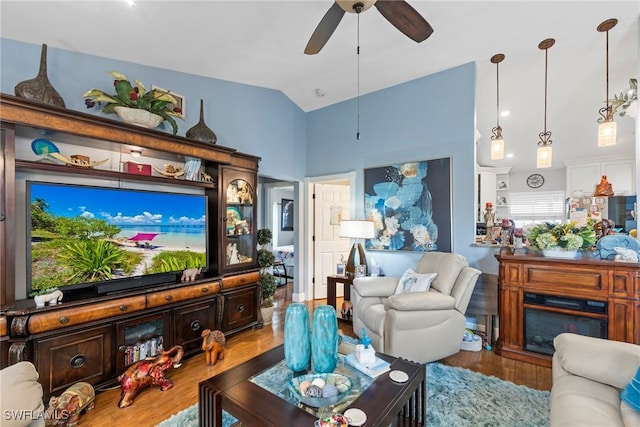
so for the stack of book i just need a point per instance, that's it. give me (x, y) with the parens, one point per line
(374, 369)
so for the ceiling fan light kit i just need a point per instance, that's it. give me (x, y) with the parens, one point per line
(607, 129)
(497, 142)
(544, 154)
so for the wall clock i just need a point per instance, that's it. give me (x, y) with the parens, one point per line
(535, 180)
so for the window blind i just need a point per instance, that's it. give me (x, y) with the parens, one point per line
(526, 207)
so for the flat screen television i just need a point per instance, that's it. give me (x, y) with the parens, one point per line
(88, 240)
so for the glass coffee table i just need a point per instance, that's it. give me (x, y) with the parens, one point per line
(256, 393)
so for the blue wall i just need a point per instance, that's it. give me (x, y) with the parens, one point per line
(250, 119)
(427, 118)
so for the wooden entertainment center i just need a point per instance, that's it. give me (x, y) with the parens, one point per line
(89, 339)
(576, 295)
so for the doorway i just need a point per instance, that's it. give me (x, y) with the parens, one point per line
(330, 199)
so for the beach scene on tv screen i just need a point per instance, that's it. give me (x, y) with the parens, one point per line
(84, 234)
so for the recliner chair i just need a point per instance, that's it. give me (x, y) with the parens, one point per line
(418, 326)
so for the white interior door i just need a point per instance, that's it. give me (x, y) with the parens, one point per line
(329, 248)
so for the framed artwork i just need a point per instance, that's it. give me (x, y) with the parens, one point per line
(286, 215)
(181, 104)
(410, 205)
(340, 269)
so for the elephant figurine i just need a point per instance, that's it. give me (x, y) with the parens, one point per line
(213, 345)
(190, 274)
(52, 298)
(147, 372)
(65, 410)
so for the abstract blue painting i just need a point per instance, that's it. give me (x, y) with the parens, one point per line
(410, 205)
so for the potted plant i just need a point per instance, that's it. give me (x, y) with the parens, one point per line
(129, 101)
(562, 240)
(267, 280)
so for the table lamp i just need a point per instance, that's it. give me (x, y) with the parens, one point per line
(356, 229)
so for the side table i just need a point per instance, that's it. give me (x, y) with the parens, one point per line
(332, 282)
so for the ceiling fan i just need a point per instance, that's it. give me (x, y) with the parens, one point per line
(398, 12)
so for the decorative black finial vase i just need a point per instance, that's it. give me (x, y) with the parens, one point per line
(39, 88)
(200, 132)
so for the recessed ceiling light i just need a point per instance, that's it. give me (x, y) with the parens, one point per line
(130, 2)
(505, 113)
(509, 155)
(320, 93)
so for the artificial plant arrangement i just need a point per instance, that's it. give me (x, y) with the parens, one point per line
(266, 260)
(626, 102)
(154, 101)
(568, 236)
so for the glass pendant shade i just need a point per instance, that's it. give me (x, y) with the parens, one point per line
(543, 157)
(607, 133)
(497, 149)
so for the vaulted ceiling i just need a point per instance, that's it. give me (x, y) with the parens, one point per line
(262, 42)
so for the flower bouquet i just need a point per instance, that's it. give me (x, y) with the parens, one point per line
(566, 236)
(154, 101)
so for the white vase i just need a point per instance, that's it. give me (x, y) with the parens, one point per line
(138, 117)
(559, 253)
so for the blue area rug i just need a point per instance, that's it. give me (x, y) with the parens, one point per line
(455, 397)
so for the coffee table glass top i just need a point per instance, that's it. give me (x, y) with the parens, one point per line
(276, 380)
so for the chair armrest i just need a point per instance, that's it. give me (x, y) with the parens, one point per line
(375, 286)
(605, 361)
(420, 301)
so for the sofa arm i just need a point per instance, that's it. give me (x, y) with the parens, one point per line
(605, 361)
(420, 301)
(21, 393)
(375, 286)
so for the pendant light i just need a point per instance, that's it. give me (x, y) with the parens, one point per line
(497, 143)
(544, 154)
(607, 127)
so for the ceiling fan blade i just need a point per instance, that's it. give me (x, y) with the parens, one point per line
(325, 28)
(405, 18)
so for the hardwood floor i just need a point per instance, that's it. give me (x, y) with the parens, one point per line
(153, 406)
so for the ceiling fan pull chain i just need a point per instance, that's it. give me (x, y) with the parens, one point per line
(358, 79)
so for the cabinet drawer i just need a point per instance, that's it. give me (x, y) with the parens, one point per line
(190, 321)
(240, 280)
(82, 356)
(76, 315)
(240, 308)
(170, 296)
(567, 279)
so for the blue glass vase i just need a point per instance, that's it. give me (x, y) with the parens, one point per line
(297, 345)
(324, 339)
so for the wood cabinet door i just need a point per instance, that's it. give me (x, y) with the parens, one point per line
(65, 359)
(190, 320)
(240, 309)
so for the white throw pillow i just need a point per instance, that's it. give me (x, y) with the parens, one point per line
(414, 282)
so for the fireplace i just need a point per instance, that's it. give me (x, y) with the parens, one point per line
(547, 316)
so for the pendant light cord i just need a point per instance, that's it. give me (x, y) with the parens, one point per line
(498, 94)
(546, 60)
(358, 82)
(607, 72)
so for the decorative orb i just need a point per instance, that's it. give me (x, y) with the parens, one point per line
(329, 390)
(319, 382)
(314, 391)
(304, 385)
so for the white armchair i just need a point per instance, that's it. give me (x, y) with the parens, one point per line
(418, 326)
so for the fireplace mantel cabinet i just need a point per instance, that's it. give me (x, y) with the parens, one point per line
(108, 327)
(590, 291)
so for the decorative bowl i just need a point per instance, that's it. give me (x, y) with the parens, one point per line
(341, 383)
(138, 117)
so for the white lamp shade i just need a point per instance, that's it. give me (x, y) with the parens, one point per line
(497, 149)
(607, 133)
(543, 157)
(356, 229)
